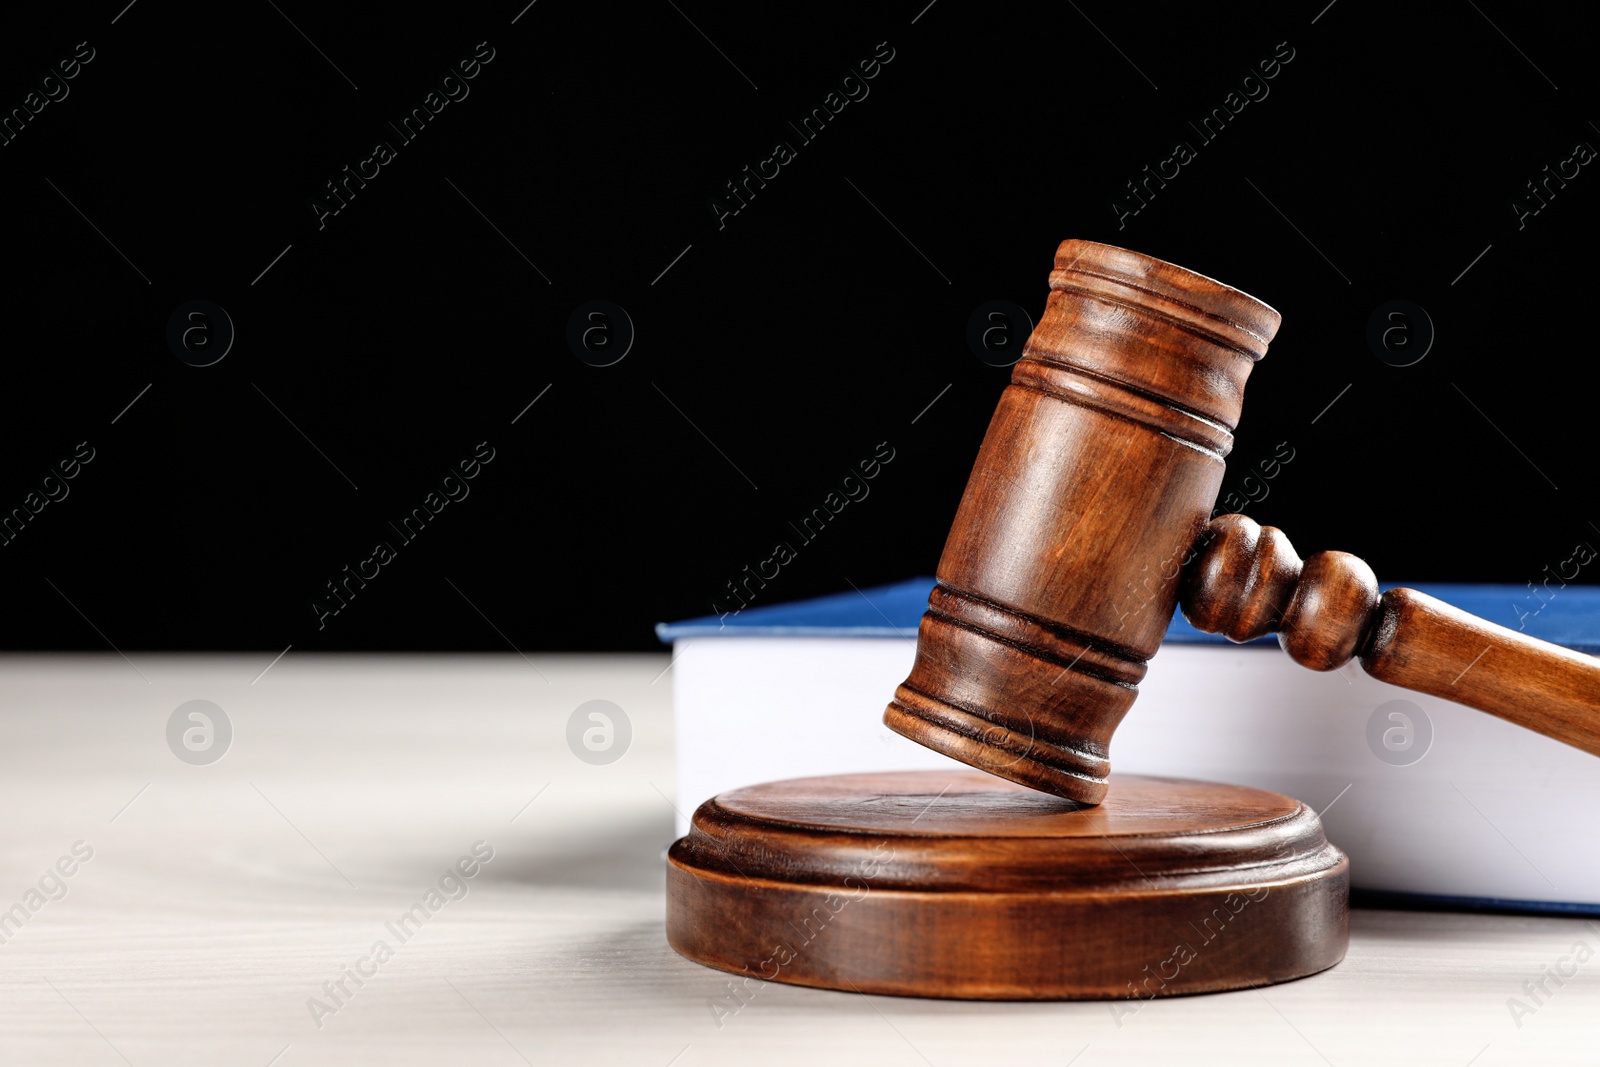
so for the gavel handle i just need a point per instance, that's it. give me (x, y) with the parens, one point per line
(1244, 580)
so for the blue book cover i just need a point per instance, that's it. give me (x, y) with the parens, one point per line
(1568, 615)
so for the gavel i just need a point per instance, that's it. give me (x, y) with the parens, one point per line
(1088, 518)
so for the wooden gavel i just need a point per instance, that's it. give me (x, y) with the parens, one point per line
(1085, 520)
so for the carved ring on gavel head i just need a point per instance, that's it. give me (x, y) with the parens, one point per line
(1086, 514)
(1099, 470)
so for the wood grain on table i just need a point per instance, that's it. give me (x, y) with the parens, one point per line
(219, 900)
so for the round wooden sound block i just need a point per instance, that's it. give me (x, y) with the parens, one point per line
(959, 884)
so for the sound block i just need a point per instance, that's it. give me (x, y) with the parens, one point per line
(960, 884)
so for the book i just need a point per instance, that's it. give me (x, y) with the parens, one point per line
(1431, 800)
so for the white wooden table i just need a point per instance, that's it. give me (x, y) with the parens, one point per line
(219, 899)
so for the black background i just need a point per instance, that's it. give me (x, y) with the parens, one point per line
(779, 349)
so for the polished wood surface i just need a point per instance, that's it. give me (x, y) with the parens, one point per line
(959, 884)
(1087, 509)
(1248, 582)
(1099, 469)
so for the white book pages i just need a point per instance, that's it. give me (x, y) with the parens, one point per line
(1484, 812)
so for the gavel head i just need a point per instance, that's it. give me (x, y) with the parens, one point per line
(1100, 467)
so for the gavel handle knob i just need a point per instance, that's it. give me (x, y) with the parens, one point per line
(1244, 580)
